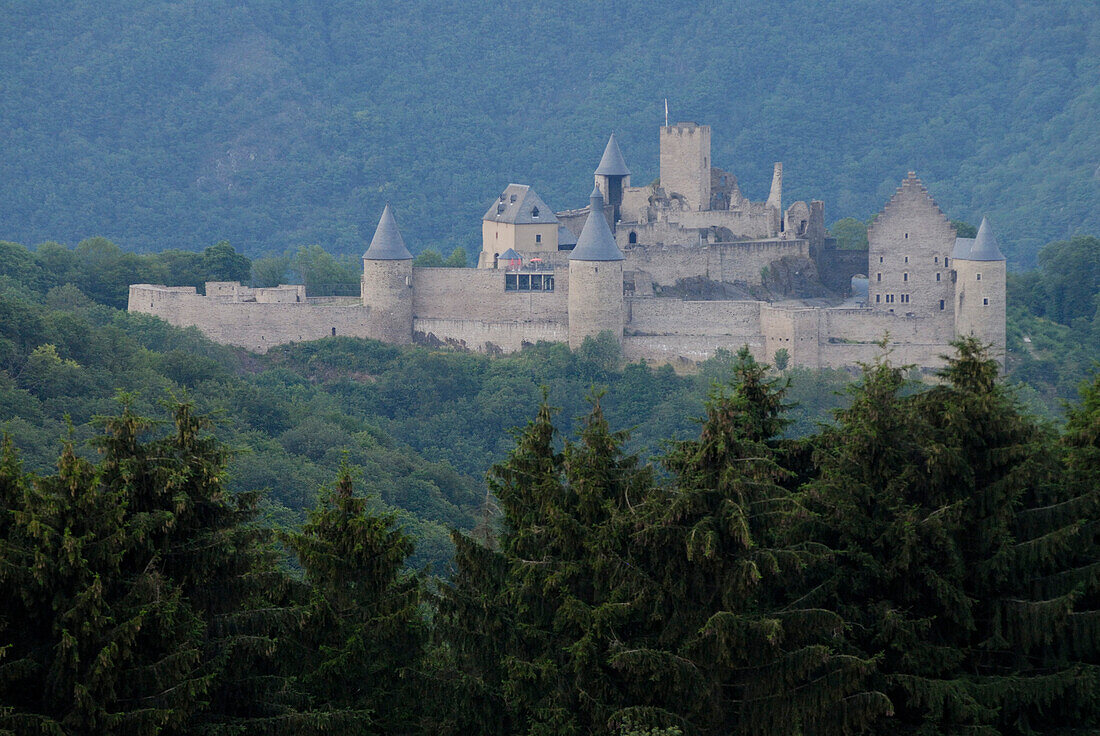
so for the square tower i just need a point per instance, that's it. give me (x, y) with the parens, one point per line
(685, 163)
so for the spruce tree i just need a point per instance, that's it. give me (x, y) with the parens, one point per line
(99, 644)
(961, 559)
(359, 651)
(1026, 534)
(553, 607)
(731, 575)
(896, 574)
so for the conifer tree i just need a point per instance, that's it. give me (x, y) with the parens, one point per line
(362, 639)
(896, 569)
(956, 553)
(731, 576)
(555, 601)
(143, 601)
(1026, 534)
(100, 645)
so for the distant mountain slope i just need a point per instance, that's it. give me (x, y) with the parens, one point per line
(275, 124)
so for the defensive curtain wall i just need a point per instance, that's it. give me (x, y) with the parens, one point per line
(470, 309)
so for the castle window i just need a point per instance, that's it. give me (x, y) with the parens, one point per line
(878, 277)
(632, 238)
(880, 259)
(985, 302)
(534, 212)
(945, 264)
(937, 260)
(878, 298)
(906, 237)
(538, 237)
(905, 298)
(512, 199)
(937, 277)
(979, 277)
(907, 257)
(528, 282)
(334, 332)
(905, 277)
(942, 305)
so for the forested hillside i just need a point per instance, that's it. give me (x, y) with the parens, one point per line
(280, 124)
(925, 565)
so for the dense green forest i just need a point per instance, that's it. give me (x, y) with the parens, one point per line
(275, 125)
(924, 565)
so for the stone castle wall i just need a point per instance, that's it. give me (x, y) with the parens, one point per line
(669, 317)
(255, 326)
(728, 262)
(478, 294)
(487, 337)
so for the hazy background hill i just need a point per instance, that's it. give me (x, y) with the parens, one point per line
(276, 124)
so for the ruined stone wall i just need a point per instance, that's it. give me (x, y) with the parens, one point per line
(635, 206)
(727, 262)
(685, 163)
(487, 337)
(478, 294)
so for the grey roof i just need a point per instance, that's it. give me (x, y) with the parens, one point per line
(962, 248)
(510, 255)
(612, 163)
(387, 243)
(985, 245)
(596, 243)
(566, 236)
(519, 205)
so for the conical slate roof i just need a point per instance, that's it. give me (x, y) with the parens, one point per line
(596, 243)
(612, 163)
(387, 243)
(985, 245)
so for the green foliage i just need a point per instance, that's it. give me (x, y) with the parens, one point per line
(964, 229)
(289, 125)
(782, 359)
(362, 622)
(850, 234)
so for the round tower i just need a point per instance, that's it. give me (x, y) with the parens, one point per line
(595, 279)
(387, 283)
(612, 176)
(980, 290)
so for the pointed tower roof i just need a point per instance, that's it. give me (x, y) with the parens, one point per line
(387, 243)
(612, 163)
(596, 243)
(985, 245)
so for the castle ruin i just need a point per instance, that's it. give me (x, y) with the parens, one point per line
(675, 270)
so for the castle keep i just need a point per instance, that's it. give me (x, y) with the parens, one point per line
(674, 270)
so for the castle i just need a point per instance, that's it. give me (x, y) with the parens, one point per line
(674, 270)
